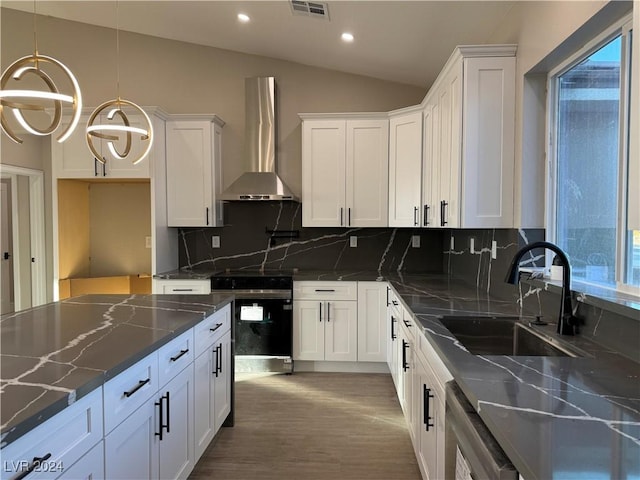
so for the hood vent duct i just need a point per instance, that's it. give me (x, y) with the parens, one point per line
(261, 182)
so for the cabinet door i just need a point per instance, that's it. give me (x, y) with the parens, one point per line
(341, 331)
(91, 466)
(176, 445)
(204, 404)
(367, 177)
(323, 170)
(308, 330)
(449, 132)
(72, 158)
(222, 379)
(131, 450)
(372, 322)
(189, 173)
(426, 434)
(429, 166)
(489, 110)
(405, 169)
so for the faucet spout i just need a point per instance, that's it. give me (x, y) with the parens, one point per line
(566, 320)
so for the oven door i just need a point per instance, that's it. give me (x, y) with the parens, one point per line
(263, 326)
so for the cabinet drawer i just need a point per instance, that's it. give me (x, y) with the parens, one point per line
(182, 287)
(325, 290)
(211, 329)
(124, 393)
(175, 356)
(62, 440)
(91, 466)
(426, 351)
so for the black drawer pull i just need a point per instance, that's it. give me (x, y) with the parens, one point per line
(395, 303)
(405, 364)
(182, 290)
(325, 290)
(141, 384)
(37, 461)
(182, 352)
(161, 423)
(407, 323)
(218, 325)
(393, 334)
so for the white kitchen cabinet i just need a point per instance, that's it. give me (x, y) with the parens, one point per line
(61, 441)
(156, 440)
(428, 423)
(407, 366)
(372, 322)
(73, 159)
(90, 466)
(325, 330)
(469, 146)
(405, 167)
(194, 177)
(325, 321)
(344, 170)
(182, 287)
(394, 316)
(213, 377)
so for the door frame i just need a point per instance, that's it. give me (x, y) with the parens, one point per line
(37, 229)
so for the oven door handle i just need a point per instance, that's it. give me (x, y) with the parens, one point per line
(274, 294)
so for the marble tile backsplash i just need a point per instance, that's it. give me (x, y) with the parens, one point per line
(269, 235)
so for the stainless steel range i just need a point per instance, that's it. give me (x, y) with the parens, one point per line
(263, 319)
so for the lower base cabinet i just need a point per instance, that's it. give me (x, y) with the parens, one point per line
(213, 391)
(90, 466)
(156, 441)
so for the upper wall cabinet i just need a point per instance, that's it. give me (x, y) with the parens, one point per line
(73, 159)
(344, 170)
(468, 160)
(405, 167)
(194, 170)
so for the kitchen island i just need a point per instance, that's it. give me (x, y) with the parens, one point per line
(56, 354)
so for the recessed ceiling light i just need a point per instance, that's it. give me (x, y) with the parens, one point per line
(243, 17)
(347, 37)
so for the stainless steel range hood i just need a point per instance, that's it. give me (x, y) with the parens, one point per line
(261, 182)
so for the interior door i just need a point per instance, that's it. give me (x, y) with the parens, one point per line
(6, 250)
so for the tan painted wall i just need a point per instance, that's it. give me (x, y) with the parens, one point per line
(187, 78)
(120, 219)
(73, 229)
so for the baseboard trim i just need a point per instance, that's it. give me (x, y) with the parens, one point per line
(340, 367)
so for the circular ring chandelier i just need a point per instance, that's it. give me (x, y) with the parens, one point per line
(17, 100)
(118, 132)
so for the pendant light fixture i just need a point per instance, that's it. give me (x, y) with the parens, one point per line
(34, 69)
(111, 122)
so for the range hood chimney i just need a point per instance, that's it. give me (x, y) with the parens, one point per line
(261, 182)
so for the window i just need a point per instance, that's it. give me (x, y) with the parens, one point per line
(589, 159)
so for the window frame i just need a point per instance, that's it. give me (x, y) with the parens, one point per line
(623, 27)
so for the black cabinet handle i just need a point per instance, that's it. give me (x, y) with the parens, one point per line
(320, 311)
(341, 212)
(219, 361)
(393, 334)
(218, 325)
(35, 463)
(325, 290)
(395, 302)
(407, 323)
(183, 289)
(182, 352)
(104, 169)
(328, 312)
(6, 255)
(207, 215)
(443, 207)
(426, 215)
(161, 423)
(349, 216)
(388, 296)
(141, 384)
(405, 364)
(426, 393)
(415, 216)
(95, 167)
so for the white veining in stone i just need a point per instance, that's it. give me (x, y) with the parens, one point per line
(406, 250)
(386, 250)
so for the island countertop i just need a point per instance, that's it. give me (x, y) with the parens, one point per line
(56, 353)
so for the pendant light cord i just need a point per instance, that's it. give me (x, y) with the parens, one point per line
(117, 53)
(35, 36)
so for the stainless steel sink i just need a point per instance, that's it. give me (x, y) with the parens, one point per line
(504, 336)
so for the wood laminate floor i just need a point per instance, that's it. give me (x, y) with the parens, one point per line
(312, 426)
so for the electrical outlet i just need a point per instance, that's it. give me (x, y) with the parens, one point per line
(472, 246)
(415, 241)
(147, 242)
(353, 241)
(452, 244)
(215, 241)
(494, 249)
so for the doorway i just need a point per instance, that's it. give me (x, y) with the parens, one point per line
(22, 241)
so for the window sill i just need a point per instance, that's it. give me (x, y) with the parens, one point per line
(609, 300)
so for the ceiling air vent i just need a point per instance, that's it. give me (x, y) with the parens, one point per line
(310, 9)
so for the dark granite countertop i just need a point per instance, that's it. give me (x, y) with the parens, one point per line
(56, 353)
